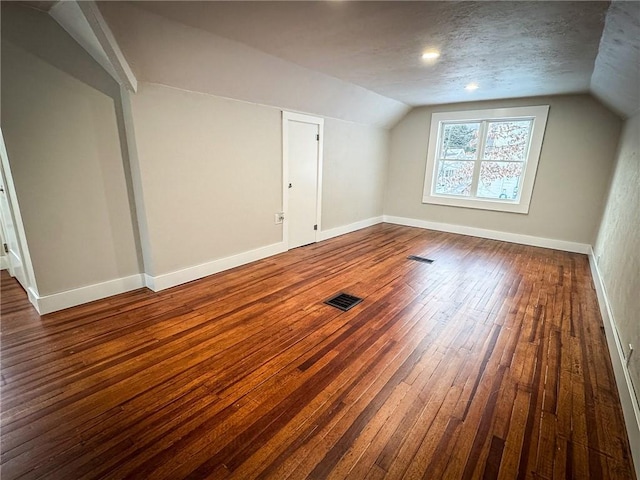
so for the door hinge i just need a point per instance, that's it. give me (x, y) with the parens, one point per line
(5, 247)
(318, 137)
(315, 227)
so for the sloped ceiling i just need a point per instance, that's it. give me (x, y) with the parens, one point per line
(511, 49)
(616, 76)
(42, 5)
(361, 61)
(170, 53)
(71, 18)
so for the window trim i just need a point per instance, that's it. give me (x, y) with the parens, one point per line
(538, 115)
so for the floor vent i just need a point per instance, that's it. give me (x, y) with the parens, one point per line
(420, 259)
(343, 301)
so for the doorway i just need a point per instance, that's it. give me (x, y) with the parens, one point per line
(17, 261)
(302, 177)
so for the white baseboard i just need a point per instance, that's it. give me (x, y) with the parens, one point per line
(59, 301)
(185, 275)
(33, 298)
(492, 234)
(4, 262)
(628, 400)
(168, 280)
(149, 282)
(352, 227)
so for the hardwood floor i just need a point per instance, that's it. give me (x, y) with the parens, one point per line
(489, 363)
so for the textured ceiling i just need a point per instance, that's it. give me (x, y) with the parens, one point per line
(510, 49)
(170, 53)
(616, 76)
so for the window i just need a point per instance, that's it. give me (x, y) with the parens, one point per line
(484, 158)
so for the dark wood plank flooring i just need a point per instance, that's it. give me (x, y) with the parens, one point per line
(489, 363)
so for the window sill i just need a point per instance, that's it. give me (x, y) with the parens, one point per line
(477, 203)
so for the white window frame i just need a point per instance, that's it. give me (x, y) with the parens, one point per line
(537, 114)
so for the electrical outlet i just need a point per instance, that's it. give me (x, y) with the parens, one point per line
(279, 217)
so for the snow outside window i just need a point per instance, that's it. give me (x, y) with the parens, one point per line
(484, 158)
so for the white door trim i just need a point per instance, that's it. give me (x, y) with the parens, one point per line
(17, 218)
(299, 117)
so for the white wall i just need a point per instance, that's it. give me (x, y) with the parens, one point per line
(618, 245)
(2, 254)
(60, 125)
(568, 197)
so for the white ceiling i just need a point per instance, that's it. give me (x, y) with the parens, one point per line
(510, 49)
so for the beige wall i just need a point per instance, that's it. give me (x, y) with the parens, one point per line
(618, 245)
(61, 132)
(207, 170)
(355, 162)
(211, 175)
(571, 184)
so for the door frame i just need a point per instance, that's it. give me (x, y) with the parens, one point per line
(5, 262)
(299, 117)
(14, 211)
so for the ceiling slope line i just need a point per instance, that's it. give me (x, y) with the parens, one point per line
(84, 22)
(169, 53)
(108, 42)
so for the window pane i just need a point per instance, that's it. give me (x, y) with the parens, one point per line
(507, 140)
(460, 141)
(499, 179)
(454, 178)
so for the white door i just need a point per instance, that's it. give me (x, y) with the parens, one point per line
(303, 181)
(14, 255)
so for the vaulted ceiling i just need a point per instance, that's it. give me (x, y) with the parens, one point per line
(510, 49)
(362, 60)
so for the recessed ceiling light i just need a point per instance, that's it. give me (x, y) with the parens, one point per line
(471, 87)
(432, 55)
